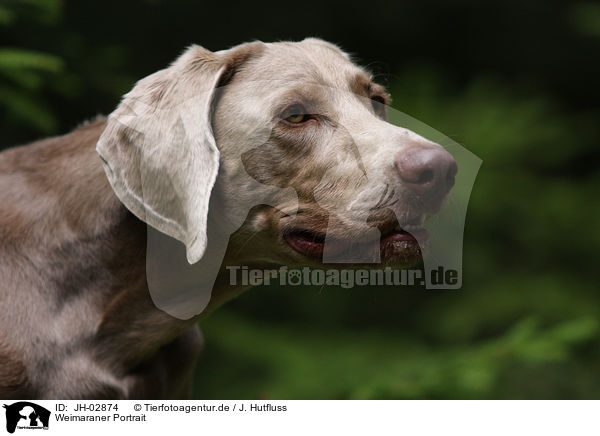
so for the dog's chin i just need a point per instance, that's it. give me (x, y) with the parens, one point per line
(397, 247)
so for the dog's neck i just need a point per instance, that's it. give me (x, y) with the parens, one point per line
(75, 232)
(136, 316)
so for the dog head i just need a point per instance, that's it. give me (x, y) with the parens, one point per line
(222, 133)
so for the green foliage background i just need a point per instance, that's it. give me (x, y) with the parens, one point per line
(514, 83)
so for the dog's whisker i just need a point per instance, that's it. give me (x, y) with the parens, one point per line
(391, 195)
(381, 198)
(243, 245)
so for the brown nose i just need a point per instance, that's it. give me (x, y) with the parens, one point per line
(427, 171)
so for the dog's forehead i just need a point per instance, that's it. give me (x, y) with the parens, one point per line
(309, 61)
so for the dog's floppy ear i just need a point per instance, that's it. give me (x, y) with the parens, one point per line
(158, 148)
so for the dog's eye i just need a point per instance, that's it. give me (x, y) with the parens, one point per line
(295, 118)
(378, 103)
(295, 114)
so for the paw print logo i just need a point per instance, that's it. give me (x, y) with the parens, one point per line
(294, 277)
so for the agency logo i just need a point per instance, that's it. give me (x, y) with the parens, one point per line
(26, 415)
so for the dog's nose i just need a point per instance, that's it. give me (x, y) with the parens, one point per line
(427, 171)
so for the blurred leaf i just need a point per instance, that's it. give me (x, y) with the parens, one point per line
(17, 59)
(25, 79)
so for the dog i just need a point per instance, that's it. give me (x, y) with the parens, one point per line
(294, 132)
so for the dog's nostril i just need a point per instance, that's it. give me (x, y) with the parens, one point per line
(425, 176)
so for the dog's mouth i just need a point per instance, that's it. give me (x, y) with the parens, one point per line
(396, 246)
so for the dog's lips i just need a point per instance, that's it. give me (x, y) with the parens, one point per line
(305, 242)
(394, 245)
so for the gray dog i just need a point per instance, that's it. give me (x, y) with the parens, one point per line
(183, 150)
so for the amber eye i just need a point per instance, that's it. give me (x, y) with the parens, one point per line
(295, 114)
